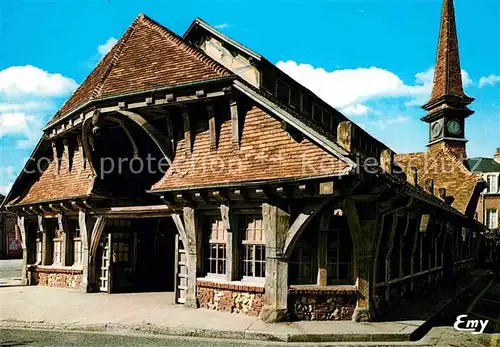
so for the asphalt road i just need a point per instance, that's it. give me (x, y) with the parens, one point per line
(39, 338)
(10, 268)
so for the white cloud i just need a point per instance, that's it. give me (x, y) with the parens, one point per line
(491, 80)
(7, 177)
(356, 110)
(43, 105)
(103, 49)
(383, 123)
(221, 26)
(24, 127)
(29, 80)
(349, 89)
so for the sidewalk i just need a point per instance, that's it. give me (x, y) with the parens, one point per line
(155, 313)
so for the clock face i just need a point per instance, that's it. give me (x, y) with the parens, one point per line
(454, 127)
(436, 129)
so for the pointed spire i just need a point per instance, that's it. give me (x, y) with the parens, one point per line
(447, 75)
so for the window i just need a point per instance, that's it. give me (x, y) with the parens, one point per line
(492, 181)
(57, 244)
(254, 249)
(302, 267)
(338, 248)
(492, 218)
(217, 245)
(38, 242)
(74, 228)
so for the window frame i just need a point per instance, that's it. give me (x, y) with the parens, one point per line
(257, 247)
(495, 183)
(217, 242)
(492, 223)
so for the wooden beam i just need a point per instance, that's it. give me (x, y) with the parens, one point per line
(67, 154)
(187, 132)
(326, 188)
(300, 223)
(212, 127)
(76, 205)
(65, 207)
(235, 123)
(200, 197)
(237, 195)
(55, 156)
(55, 207)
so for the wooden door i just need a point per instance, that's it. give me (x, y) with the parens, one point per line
(105, 276)
(180, 273)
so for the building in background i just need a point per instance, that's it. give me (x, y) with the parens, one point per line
(488, 208)
(10, 243)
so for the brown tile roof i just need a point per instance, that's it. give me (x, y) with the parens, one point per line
(267, 153)
(147, 56)
(445, 169)
(65, 185)
(447, 75)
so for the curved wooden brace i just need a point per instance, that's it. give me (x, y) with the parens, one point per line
(129, 135)
(96, 235)
(299, 225)
(180, 228)
(161, 141)
(86, 148)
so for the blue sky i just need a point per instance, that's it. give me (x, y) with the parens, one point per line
(369, 58)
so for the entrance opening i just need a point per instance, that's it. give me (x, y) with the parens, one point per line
(137, 255)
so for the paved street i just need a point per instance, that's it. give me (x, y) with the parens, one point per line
(10, 271)
(439, 337)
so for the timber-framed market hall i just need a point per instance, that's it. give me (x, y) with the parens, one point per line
(193, 165)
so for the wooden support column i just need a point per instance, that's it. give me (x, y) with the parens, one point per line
(56, 157)
(61, 225)
(187, 132)
(362, 231)
(193, 254)
(46, 242)
(322, 257)
(235, 122)
(388, 256)
(81, 152)
(276, 225)
(86, 224)
(67, 154)
(212, 127)
(23, 229)
(232, 247)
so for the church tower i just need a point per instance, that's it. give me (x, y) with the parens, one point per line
(447, 107)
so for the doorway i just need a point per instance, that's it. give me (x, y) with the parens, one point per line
(138, 255)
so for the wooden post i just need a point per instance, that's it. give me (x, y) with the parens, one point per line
(193, 254)
(46, 242)
(212, 128)
(81, 152)
(22, 225)
(233, 106)
(56, 157)
(232, 247)
(276, 223)
(322, 257)
(67, 154)
(388, 257)
(187, 132)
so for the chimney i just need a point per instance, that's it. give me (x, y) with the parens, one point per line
(496, 157)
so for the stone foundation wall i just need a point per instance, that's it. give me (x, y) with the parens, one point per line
(230, 297)
(321, 303)
(60, 278)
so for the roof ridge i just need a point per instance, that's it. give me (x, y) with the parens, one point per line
(117, 50)
(184, 45)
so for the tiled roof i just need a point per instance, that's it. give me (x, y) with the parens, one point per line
(447, 75)
(479, 165)
(65, 185)
(267, 153)
(445, 169)
(147, 56)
